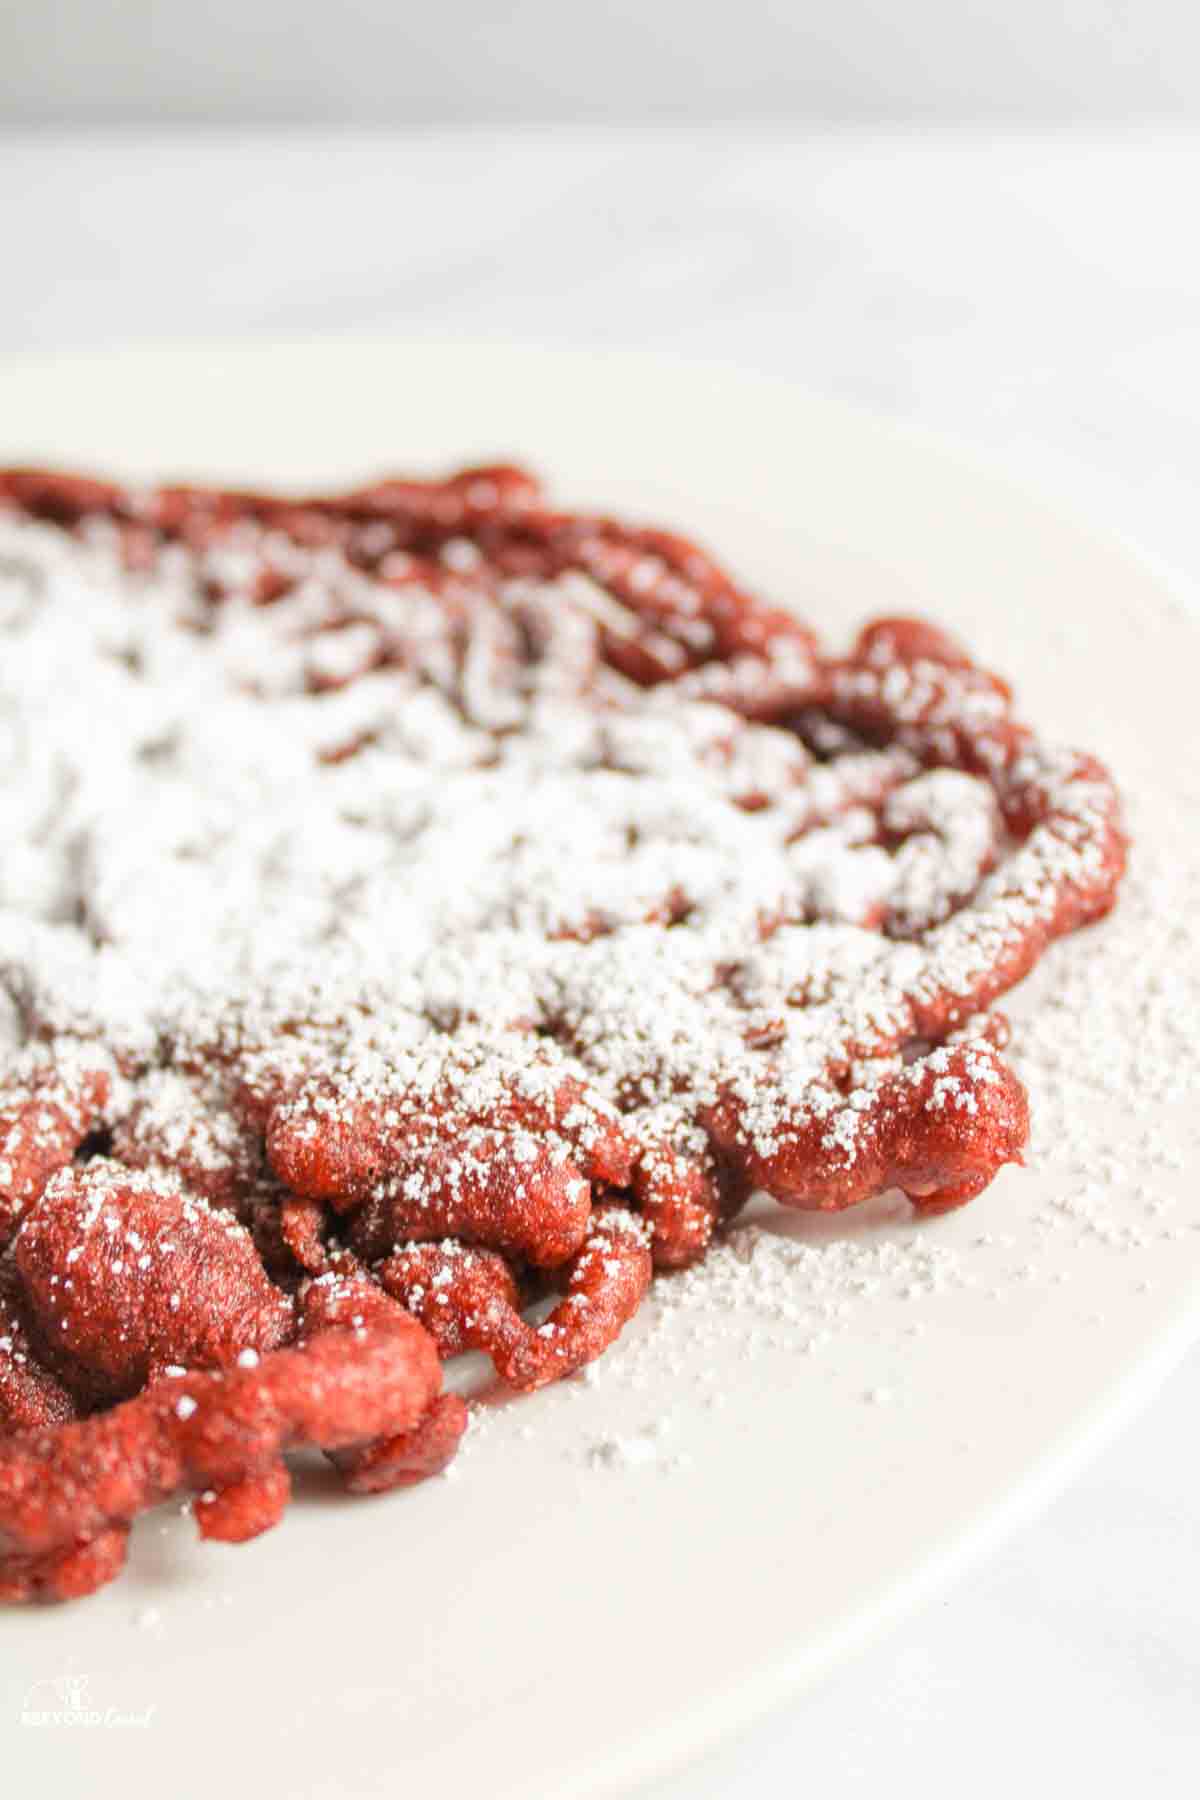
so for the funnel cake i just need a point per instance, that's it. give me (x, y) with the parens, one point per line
(428, 915)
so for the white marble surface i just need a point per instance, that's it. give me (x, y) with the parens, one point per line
(1039, 296)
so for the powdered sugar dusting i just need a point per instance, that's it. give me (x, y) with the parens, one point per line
(352, 828)
(1108, 1040)
(230, 847)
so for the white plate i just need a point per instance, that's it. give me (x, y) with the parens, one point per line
(595, 1595)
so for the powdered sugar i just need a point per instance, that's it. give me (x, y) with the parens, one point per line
(328, 832)
(219, 842)
(1108, 1040)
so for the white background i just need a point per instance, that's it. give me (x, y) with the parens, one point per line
(1038, 294)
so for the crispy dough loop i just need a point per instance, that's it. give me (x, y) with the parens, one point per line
(157, 1278)
(407, 1456)
(163, 1287)
(345, 1295)
(938, 1130)
(67, 1574)
(47, 1109)
(678, 1191)
(344, 1387)
(503, 1190)
(468, 1300)
(244, 1509)
(336, 1139)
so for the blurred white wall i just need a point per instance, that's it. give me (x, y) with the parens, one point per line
(380, 61)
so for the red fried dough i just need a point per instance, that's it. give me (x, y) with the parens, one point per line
(938, 1130)
(302, 1229)
(346, 1386)
(46, 1111)
(946, 830)
(344, 1297)
(182, 1123)
(1069, 811)
(126, 1274)
(1062, 806)
(67, 1574)
(505, 1190)
(337, 1139)
(900, 639)
(681, 609)
(245, 1509)
(29, 1394)
(407, 1456)
(467, 1300)
(679, 1196)
(423, 512)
